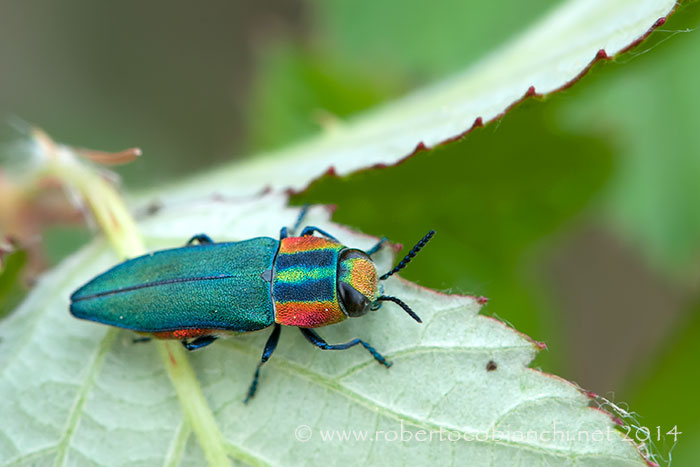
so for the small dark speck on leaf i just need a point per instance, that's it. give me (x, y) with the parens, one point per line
(153, 208)
(491, 366)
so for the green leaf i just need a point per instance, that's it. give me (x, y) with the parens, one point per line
(361, 53)
(298, 91)
(11, 288)
(416, 36)
(492, 221)
(548, 57)
(655, 197)
(458, 372)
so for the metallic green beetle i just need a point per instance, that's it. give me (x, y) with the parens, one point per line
(202, 291)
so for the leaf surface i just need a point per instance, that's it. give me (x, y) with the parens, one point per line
(458, 372)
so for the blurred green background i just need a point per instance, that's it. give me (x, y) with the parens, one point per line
(577, 215)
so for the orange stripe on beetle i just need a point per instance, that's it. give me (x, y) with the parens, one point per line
(309, 314)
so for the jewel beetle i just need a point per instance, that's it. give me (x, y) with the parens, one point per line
(206, 290)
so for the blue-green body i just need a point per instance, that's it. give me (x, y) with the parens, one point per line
(222, 286)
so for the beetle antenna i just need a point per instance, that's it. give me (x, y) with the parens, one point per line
(407, 259)
(406, 308)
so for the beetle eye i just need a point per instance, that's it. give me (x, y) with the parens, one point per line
(354, 302)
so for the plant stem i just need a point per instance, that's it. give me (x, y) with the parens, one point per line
(115, 220)
(193, 402)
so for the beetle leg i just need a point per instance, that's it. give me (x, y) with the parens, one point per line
(376, 247)
(203, 239)
(139, 340)
(316, 340)
(269, 348)
(309, 230)
(284, 232)
(198, 343)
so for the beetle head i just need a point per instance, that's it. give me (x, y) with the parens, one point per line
(358, 284)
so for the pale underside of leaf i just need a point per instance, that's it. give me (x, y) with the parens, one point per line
(76, 393)
(551, 55)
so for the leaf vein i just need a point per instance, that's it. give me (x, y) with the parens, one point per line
(296, 370)
(76, 411)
